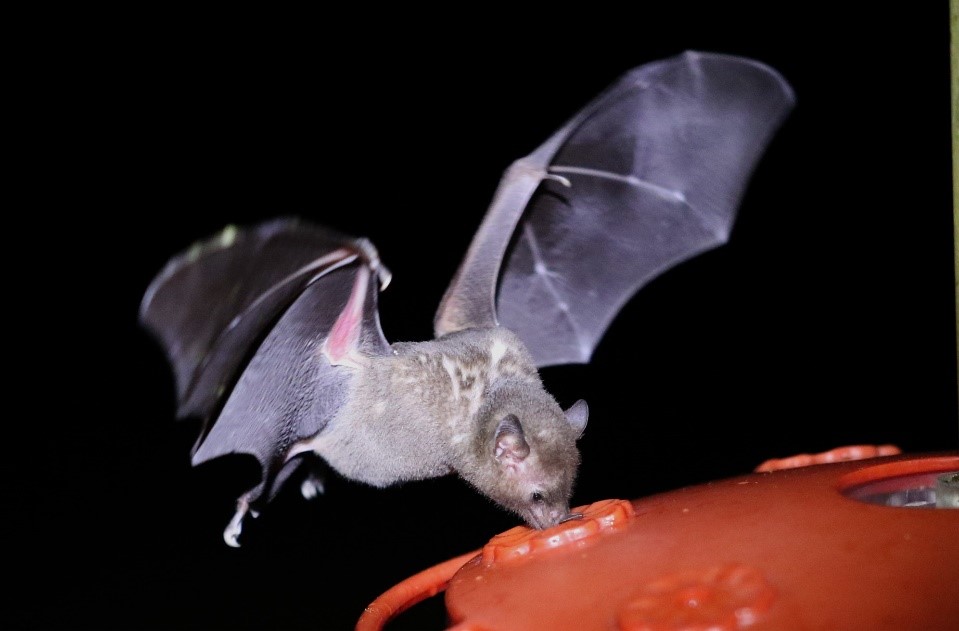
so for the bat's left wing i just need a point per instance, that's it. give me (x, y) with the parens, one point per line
(646, 176)
(287, 312)
(211, 304)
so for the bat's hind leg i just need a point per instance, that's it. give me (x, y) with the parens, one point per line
(314, 482)
(231, 534)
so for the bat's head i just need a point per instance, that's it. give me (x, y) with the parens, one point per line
(527, 452)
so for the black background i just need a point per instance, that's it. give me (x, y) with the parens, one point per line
(827, 320)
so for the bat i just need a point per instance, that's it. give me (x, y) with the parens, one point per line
(273, 331)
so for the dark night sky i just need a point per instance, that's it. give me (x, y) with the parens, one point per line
(827, 320)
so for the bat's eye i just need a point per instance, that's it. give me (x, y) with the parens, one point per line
(537, 497)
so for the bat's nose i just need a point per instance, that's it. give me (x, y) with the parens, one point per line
(559, 515)
(549, 517)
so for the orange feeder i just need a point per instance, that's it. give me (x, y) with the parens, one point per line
(853, 544)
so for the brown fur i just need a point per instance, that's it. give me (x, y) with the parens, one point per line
(433, 408)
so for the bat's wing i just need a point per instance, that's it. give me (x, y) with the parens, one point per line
(212, 303)
(646, 176)
(278, 296)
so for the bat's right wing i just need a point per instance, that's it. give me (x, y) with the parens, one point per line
(646, 176)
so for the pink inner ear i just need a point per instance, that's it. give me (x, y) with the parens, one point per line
(511, 447)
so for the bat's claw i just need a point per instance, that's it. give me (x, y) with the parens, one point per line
(384, 275)
(558, 178)
(372, 257)
(232, 532)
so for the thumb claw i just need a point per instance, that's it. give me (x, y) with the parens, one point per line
(558, 178)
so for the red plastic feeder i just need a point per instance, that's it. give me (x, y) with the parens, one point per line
(856, 544)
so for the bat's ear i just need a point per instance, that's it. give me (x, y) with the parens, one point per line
(577, 415)
(511, 445)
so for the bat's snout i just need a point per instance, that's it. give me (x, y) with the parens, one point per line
(551, 516)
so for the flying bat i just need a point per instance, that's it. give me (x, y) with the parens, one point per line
(274, 336)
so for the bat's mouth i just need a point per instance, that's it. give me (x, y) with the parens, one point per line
(548, 519)
(571, 517)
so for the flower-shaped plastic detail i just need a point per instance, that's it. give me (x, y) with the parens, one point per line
(721, 598)
(521, 542)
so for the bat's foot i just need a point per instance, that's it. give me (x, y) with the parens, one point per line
(232, 532)
(312, 486)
